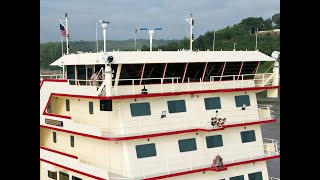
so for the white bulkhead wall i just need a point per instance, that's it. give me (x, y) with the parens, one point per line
(44, 167)
(167, 147)
(231, 172)
(108, 155)
(195, 116)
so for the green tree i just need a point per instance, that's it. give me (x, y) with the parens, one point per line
(276, 20)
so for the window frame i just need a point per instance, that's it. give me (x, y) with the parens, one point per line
(243, 136)
(90, 107)
(67, 104)
(139, 147)
(169, 103)
(206, 103)
(135, 113)
(181, 146)
(214, 136)
(236, 99)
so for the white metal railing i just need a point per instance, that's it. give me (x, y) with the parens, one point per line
(174, 84)
(274, 178)
(51, 76)
(172, 165)
(145, 125)
(204, 160)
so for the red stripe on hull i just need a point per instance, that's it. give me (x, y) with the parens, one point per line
(157, 134)
(166, 94)
(70, 169)
(58, 152)
(211, 169)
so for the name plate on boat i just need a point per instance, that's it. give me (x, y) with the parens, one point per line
(54, 122)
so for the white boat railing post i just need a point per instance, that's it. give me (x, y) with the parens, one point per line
(172, 81)
(234, 81)
(188, 84)
(133, 86)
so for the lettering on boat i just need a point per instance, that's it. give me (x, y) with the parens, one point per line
(54, 122)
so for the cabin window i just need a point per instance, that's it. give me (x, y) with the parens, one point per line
(176, 106)
(105, 105)
(67, 105)
(54, 137)
(140, 109)
(63, 176)
(212, 103)
(241, 177)
(186, 145)
(146, 150)
(71, 74)
(49, 108)
(248, 136)
(76, 178)
(90, 107)
(52, 175)
(81, 74)
(255, 176)
(214, 141)
(241, 100)
(72, 141)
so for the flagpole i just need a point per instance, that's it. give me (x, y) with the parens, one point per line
(135, 39)
(97, 36)
(256, 39)
(61, 45)
(67, 34)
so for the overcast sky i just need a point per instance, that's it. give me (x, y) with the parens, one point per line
(126, 15)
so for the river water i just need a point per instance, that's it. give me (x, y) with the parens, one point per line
(272, 131)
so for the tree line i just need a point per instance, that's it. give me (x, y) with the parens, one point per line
(241, 35)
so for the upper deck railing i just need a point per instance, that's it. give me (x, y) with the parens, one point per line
(172, 165)
(174, 84)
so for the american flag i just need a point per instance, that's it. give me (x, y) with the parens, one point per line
(63, 31)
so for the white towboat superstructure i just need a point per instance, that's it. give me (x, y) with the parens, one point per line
(157, 115)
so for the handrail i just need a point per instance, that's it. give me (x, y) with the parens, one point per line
(198, 161)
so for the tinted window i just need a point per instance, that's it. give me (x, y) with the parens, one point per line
(76, 178)
(90, 107)
(255, 176)
(248, 136)
(146, 150)
(63, 176)
(105, 105)
(243, 99)
(187, 145)
(237, 178)
(67, 105)
(214, 141)
(52, 175)
(54, 137)
(140, 109)
(72, 141)
(212, 103)
(176, 106)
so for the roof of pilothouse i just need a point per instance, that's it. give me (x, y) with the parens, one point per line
(140, 57)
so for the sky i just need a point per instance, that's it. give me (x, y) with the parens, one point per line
(127, 15)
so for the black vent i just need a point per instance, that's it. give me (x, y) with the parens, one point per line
(105, 105)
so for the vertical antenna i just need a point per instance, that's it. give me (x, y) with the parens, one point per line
(97, 36)
(67, 31)
(151, 32)
(191, 22)
(104, 30)
(214, 39)
(256, 39)
(135, 39)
